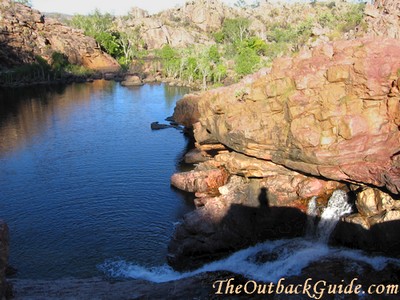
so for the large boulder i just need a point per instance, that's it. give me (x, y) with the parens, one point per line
(333, 113)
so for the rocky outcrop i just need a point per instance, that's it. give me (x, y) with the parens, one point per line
(25, 33)
(180, 27)
(332, 112)
(383, 18)
(4, 248)
(300, 129)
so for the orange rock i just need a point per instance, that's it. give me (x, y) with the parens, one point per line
(328, 114)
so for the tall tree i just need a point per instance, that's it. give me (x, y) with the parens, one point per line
(236, 30)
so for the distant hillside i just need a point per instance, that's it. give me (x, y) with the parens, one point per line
(63, 18)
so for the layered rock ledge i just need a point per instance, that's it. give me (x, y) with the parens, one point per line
(324, 119)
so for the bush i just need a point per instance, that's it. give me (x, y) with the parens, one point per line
(59, 61)
(352, 18)
(219, 37)
(246, 61)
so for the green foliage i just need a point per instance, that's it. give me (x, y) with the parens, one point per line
(246, 61)
(257, 44)
(275, 49)
(280, 34)
(41, 71)
(352, 18)
(100, 27)
(38, 71)
(294, 35)
(167, 53)
(77, 70)
(235, 30)
(213, 54)
(130, 43)
(170, 60)
(59, 61)
(219, 37)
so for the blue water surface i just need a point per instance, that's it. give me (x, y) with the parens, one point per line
(84, 179)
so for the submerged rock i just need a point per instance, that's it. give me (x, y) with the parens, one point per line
(132, 80)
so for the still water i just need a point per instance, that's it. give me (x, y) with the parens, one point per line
(83, 179)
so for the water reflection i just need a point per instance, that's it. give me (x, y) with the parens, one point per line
(26, 112)
(83, 178)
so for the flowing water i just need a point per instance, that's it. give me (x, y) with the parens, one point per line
(83, 178)
(287, 257)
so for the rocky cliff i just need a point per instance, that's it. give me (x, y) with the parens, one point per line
(26, 33)
(300, 129)
(182, 26)
(196, 21)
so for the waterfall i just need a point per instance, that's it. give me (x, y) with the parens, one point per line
(312, 212)
(337, 207)
(291, 256)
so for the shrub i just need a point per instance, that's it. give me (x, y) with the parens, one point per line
(59, 61)
(246, 61)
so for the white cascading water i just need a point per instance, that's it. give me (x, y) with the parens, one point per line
(291, 255)
(336, 208)
(312, 213)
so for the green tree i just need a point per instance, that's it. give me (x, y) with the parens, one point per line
(170, 60)
(256, 44)
(220, 72)
(130, 42)
(100, 27)
(236, 30)
(246, 61)
(213, 54)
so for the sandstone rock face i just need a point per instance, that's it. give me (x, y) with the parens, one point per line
(182, 26)
(290, 133)
(4, 248)
(26, 33)
(333, 114)
(383, 18)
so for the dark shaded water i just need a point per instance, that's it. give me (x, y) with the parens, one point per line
(84, 179)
